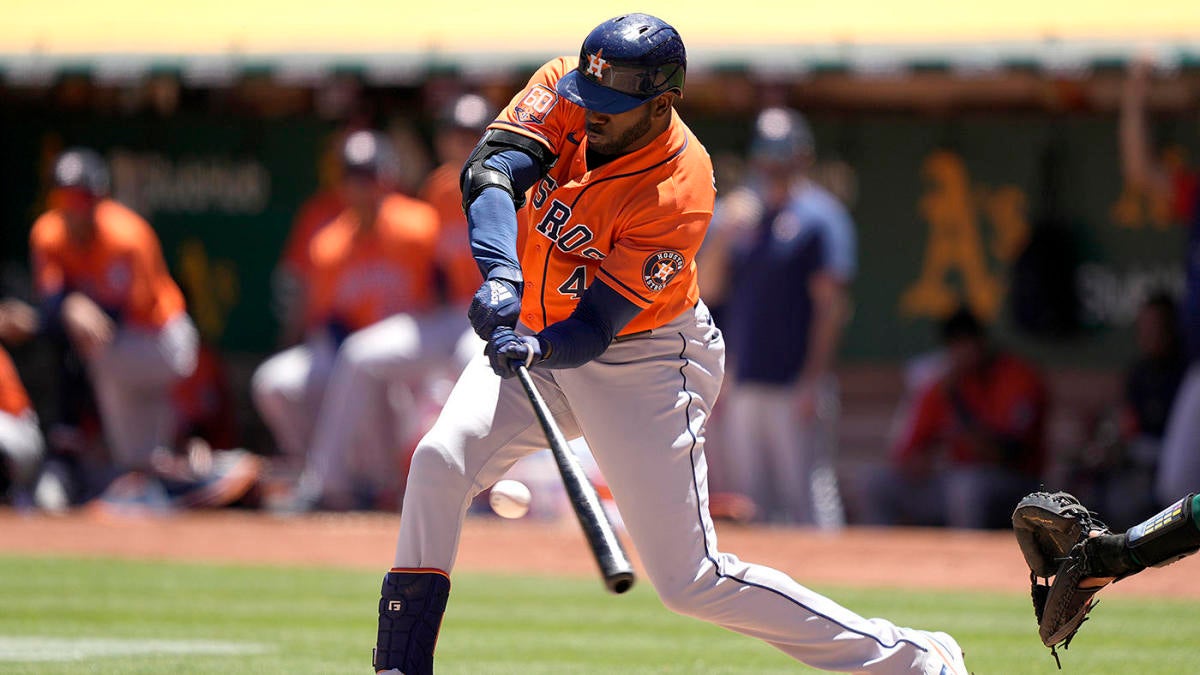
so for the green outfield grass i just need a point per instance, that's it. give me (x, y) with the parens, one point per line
(289, 620)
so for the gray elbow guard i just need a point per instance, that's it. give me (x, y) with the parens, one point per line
(1166, 537)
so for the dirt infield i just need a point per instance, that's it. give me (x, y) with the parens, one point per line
(936, 559)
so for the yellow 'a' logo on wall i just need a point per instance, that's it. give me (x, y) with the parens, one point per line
(955, 250)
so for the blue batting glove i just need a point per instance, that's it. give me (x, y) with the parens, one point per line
(506, 350)
(497, 304)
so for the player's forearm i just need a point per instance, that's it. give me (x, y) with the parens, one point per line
(591, 328)
(829, 318)
(1136, 164)
(492, 220)
(492, 214)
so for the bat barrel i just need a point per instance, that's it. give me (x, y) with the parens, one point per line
(606, 547)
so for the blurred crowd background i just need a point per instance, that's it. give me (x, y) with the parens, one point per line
(1011, 312)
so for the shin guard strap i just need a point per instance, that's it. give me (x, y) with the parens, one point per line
(1166, 537)
(410, 613)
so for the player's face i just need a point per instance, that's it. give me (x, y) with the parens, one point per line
(620, 133)
(455, 145)
(777, 176)
(1153, 331)
(363, 194)
(76, 207)
(966, 354)
(632, 130)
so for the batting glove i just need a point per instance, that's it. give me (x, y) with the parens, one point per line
(506, 350)
(497, 304)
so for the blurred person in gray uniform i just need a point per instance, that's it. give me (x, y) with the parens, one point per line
(104, 286)
(105, 291)
(21, 444)
(459, 126)
(789, 252)
(330, 401)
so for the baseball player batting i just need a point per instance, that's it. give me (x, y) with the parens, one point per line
(587, 200)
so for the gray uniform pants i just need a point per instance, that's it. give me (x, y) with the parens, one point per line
(782, 462)
(21, 446)
(132, 379)
(1179, 464)
(341, 415)
(642, 407)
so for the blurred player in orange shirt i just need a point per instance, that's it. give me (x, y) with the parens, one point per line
(21, 445)
(103, 283)
(328, 400)
(293, 275)
(459, 128)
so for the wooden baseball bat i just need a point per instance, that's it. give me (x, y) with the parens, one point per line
(606, 547)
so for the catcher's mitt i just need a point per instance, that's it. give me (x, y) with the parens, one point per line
(1051, 529)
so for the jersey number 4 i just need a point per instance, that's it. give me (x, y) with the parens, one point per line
(575, 284)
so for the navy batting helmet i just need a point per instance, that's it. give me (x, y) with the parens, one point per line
(781, 135)
(625, 62)
(370, 154)
(82, 169)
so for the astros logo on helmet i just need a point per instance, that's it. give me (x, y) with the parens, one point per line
(596, 64)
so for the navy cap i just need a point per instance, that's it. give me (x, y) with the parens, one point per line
(469, 111)
(82, 169)
(625, 62)
(781, 135)
(370, 154)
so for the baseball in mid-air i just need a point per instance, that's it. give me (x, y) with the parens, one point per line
(510, 498)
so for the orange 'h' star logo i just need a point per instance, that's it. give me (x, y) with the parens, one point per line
(596, 64)
(663, 271)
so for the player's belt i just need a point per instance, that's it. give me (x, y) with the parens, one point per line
(640, 334)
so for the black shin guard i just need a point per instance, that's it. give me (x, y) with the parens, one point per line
(410, 613)
(1166, 537)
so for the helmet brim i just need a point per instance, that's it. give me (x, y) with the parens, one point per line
(585, 93)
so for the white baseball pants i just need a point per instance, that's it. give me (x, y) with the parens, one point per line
(1179, 463)
(342, 414)
(21, 446)
(781, 461)
(132, 379)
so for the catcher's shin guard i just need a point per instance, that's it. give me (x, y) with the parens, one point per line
(1168, 536)
(410, 614)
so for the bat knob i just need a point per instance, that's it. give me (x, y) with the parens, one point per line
(620, 582)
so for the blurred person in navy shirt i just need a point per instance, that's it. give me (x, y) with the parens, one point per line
(785, 253)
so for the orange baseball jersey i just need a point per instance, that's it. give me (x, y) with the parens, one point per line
(441, 189)
(121, 268)
(361, 276)
(13, 398)
(316, 212)
(636, 222)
